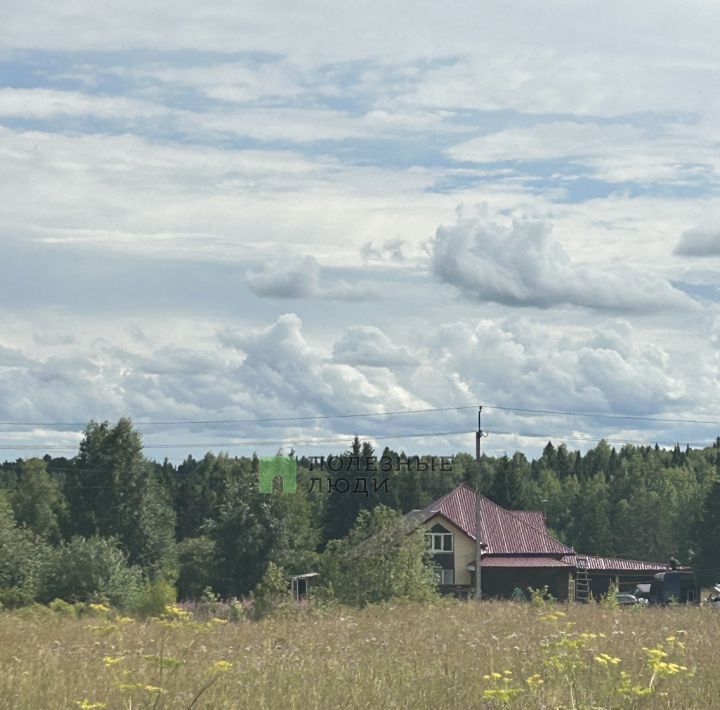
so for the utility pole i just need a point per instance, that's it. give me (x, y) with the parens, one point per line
(478, 548)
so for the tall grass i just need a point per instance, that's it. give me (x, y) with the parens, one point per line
(445, 655)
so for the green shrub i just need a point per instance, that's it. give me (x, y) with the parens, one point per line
(237, 611)
(377, 561)
(271, 593)
(540, 597)
(90, 569)
(196, 566)
(610, 599)
(62, 608)
(22, 555)
(153, 598)
(13, 597)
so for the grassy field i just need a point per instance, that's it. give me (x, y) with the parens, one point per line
(449, 655)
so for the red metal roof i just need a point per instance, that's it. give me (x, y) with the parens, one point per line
(505, 532)
(520, 561)
(516, 538)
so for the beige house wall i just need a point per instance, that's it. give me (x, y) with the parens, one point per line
(463, 548)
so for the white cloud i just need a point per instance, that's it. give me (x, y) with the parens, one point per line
(520, 264)
(294, 278)
(523, 364)
(545, 141)
(163, 172)
(289, 372)
(389, 250)
(154, 199)
(283, 370)
(615, 152)
(699, 241)
(46, 103)
(303, 278)
(364, 345)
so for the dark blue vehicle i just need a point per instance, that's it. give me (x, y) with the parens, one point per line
(679, 586)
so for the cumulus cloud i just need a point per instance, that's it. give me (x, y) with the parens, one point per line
(522, 363)
(521, 264)
(74, 388)
(301, 278)
(283, 368)
(699, 241)
(296, 279)
(365, 345)
(390, 249)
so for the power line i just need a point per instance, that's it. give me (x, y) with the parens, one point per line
(592, 439)
(311, 441)
(599, 415)
(357, 415)
(264, 420)
(340, 439)
(275, 442)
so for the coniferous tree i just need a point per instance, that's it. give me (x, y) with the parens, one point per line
(707, 530)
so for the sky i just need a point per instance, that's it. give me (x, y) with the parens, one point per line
(230, 212)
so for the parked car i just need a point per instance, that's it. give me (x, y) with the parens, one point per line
(627, 599)
(714, 599)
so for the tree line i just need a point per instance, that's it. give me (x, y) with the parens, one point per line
(111, 524)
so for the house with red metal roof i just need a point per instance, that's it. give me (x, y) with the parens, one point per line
(517, 552)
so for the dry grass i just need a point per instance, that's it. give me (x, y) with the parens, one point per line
(393, 656)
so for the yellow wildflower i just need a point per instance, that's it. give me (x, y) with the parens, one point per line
(111, 660)
(221, 666)
(173, 611)
(153, 689)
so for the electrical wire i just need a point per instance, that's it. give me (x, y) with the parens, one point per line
(312, 441)
(599, 415)
(394, 413)
(275, 442)
(593, 439)
(264, 420)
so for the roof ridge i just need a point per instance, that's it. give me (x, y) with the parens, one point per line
(435, 505)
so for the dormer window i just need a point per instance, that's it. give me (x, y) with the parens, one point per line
(439, 539)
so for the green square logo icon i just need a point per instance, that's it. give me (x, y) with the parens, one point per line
(271, 467)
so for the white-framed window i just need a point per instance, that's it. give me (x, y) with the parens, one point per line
(447, 577)
(440, 542)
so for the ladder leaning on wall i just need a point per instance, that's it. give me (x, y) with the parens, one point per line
(582, 579)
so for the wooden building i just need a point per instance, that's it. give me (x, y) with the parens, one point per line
(517, 552)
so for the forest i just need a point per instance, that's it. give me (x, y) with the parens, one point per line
(111, 524)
